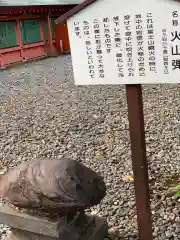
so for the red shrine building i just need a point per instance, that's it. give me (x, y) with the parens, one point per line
(29, 31)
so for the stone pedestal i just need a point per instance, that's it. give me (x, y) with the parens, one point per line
(17, 234)
(28, 227)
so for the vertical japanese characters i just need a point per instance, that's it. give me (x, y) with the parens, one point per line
(134, 45)
(151, 42)
(98, 44)
(140, 44)
(77, 31)
(128, 44)
(165, 53)
(107, 34)
(89, 52)
(175, 40)
(118, 46)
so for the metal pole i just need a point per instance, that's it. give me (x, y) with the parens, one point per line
(139, 161)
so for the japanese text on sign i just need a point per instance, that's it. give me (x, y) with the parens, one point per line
(127, 49)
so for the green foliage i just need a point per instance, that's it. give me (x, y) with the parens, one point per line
(178, 192)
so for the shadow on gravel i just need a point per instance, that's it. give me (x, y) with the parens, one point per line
(117, 236)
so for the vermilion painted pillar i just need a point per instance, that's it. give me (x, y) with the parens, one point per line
(19, 39)
(50, 42)
(62, 38)
(49, 30)
(52, 51)
(42, 31)
(1, 60)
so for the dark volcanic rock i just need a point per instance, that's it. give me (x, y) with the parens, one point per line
(56, 185)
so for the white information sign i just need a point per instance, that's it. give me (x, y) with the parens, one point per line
(126, 42)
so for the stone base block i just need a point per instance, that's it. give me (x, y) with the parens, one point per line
(27, 227)
(17, 234)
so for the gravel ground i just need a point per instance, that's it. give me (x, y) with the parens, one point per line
(44, 114)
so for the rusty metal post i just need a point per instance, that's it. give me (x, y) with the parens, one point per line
(139, 161)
